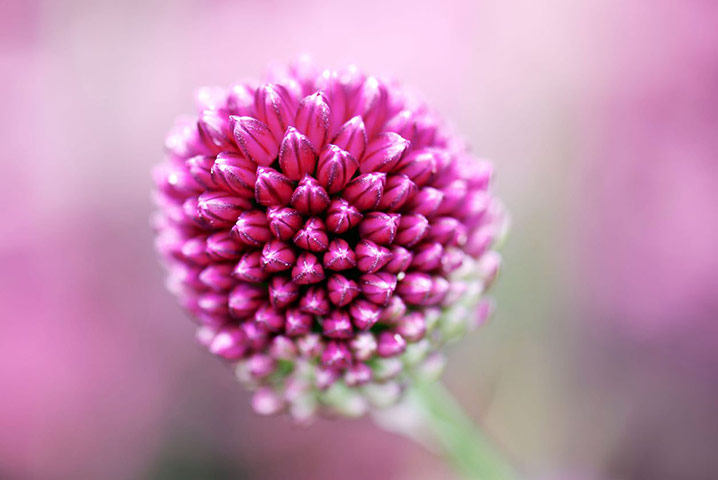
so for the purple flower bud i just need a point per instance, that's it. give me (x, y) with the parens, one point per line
(282, 348)
(398, 191)
(183, 140)
(203, 318)
(364, 192)
(310, 345)
(229, 343)
(328, 83)
(252, 229)
(426, 202)
(357, 374)
(213, 303)
(371, 102)
(224, 246)
(352, 137)
(272, 189)
(308, 269)
(446, 169)
(371, 257)
(377, 287)
(218, 277)
(478, 173)
(447, 231)
(194, 250)
(325, 377)
(214, 130)
(175, 181)
(342, 216)
(199, 167)
(479, 240)
(336, 355)
(297, 156)
(427, 133)
(314, 301)
(337, 325)
(428, 257)
(475, 206)
(403, 123)
(383, 153)
(313, 236)
(190, 214)
(363, 346)
(364, 314)
(313, 119)
(277, 256)
(284, 223)
(342, 291)
(488, 267)
(457, 289)
(452, 259)
(249, 267)
(269, 318)
(390, 344)
(439, 289)
(310, 198)
(275, 107)
(484, 311)
(335, 168)
(454, 198)
(414, 289)
(393, 311)
(265, 401)
(400, 260)
(412, 229)
(340, 256)
(412, 327)
(379, 227)
(261, 365)
(235, 173)
(245, 299)
(256, 335)
(240, 99)
(420, 166)
(205, 334)
(296, 387)
(255, 140)
(169, 244)
(220, 209)
(282, 292)
(182, 275)
(297, 323)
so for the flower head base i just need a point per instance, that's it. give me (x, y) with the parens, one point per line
(328, 234)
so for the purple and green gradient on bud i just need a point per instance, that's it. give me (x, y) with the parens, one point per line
(329, 235)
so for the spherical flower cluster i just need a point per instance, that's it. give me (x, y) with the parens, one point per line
(327, 233)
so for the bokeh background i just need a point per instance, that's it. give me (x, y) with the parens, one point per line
(602, 117)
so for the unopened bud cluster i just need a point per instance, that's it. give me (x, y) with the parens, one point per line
(327, 233)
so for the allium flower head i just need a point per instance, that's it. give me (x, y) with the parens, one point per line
(328, 234)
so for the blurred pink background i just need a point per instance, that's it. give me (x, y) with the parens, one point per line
(602, 361)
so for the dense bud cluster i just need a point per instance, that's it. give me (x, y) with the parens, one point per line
(327, 233)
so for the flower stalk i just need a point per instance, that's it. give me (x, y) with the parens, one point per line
(430, 416)
(468, 449)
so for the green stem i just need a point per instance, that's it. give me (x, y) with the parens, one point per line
(470, 452)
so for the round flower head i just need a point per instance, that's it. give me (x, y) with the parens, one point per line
(328, 234)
